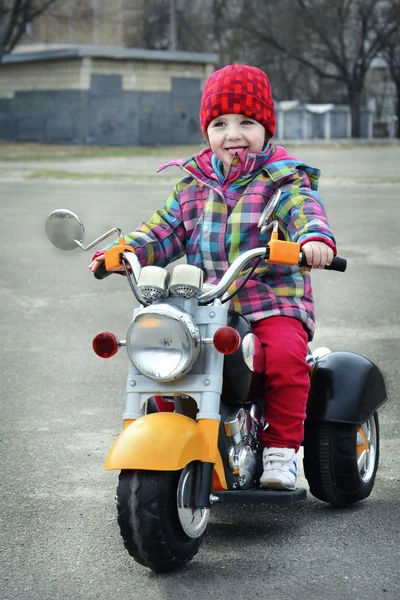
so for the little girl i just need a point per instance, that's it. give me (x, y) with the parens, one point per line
(212, 216)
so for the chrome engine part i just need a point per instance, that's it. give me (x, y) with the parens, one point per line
(243, 428)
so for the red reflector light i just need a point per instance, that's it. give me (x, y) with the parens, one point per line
(226, 340)
(105, 344)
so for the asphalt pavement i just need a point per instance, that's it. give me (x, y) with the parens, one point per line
(61, 406)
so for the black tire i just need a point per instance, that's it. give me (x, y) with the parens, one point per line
(330, 461)
(149, 522)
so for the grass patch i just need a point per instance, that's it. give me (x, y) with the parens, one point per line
(23, 151)
(56, 174)
(170, 179)
(27, 152)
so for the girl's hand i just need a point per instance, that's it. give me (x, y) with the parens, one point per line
(318, 254)
(96, 262)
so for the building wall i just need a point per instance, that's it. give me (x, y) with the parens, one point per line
(75, 73)
(300, 123)
(147, 75)
(380, 93)
(50, 75)
(101, 101)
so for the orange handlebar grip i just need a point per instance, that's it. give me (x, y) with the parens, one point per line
(283, 253)
(112, 255)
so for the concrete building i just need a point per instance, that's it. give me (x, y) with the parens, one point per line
(381, 97)
(103, 95)
(302, 121)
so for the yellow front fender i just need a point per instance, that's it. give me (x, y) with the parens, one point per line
(166, 442)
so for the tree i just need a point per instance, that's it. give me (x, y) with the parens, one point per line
(14, 17)
(196, 26)
(337, 39)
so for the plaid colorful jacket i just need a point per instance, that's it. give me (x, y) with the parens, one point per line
(213, 222)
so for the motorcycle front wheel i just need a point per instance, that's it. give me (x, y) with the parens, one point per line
(156, 533)
(341, 460)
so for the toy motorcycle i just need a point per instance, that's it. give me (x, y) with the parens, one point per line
(195, 403)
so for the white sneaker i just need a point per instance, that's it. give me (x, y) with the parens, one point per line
(280, 469)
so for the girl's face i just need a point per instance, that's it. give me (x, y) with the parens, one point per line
(228, 134)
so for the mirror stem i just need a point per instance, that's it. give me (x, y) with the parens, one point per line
(100, 239)
(273, 226)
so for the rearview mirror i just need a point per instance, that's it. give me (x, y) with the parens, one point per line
(268, 211)
(64, 229)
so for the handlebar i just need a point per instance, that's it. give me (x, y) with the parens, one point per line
(337, 264)
(101, 272)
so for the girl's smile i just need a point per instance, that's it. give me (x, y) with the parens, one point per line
(233, 133)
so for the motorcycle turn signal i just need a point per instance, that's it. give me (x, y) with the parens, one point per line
(105, 344)
(226, 340)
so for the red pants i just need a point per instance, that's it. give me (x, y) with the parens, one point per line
(287, 380)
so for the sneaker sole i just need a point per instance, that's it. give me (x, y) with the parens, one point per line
(276, 484)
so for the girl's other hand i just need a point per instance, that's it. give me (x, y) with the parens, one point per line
(98, 259)
(96, 262)
(318, 254)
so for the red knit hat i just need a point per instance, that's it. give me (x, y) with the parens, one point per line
(238, 89)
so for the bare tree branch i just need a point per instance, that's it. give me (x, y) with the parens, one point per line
(15, 14)
(323, 34)
(339, 38)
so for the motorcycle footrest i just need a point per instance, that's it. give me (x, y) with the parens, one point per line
(257, 496)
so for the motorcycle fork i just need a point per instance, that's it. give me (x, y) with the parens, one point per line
(203, 471)
(203, 480)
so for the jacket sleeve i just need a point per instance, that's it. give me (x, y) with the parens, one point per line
(163, 238)
(302, 211)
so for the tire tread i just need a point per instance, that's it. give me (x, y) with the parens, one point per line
(147, 535)
(330, 463)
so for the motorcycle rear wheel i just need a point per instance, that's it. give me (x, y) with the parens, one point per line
(149, 522)
(341, 460)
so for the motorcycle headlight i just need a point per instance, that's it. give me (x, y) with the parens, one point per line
(163, 345)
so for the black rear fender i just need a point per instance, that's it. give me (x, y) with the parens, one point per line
(345, 388)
